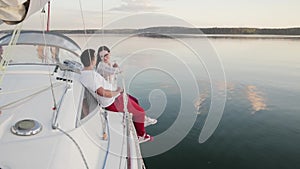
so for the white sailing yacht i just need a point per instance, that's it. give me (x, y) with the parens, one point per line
(42, 121)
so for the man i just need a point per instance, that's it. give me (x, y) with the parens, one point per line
(109, 99)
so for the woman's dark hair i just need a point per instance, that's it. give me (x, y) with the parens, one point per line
(101, 48)
(87, 56)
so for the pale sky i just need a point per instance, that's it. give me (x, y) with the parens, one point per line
(65, 14)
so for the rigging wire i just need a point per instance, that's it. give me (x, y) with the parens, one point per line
(103, 122)
(84, 28)
(102, 22)
(127, 117)
(6, 56)
(47, 57)
(108, 140)
(13, 41)
(126, 114)
(12, 104)
(107, 125)
(123, 139)
(105, 113)
(83, 22)
(77, 145)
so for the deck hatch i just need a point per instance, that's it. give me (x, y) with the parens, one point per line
(26, 127)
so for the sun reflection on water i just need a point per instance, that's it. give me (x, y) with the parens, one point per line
(258, 102)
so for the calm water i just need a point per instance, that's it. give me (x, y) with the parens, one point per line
(260, 125)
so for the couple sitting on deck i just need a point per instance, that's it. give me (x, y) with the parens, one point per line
(109, 98)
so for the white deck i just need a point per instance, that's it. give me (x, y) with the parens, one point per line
(25, 94)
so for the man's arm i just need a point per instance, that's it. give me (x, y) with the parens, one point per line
(108, 93)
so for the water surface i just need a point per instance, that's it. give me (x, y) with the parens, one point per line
(260, 123)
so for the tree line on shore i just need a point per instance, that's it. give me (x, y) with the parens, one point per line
(185, 30)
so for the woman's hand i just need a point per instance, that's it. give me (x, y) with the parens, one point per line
(115, 65)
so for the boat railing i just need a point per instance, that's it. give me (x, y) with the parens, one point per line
(57, 106)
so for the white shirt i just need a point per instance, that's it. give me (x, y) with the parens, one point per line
(93, 81)
(109, 73)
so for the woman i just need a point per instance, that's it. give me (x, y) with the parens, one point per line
(105, 68)
(109, 71)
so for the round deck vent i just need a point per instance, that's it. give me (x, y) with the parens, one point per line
(4, 167)
(27, 127)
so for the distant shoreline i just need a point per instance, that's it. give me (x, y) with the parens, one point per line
(173, 32)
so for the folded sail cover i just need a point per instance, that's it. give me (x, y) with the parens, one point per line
(15, 11)
(43, 39)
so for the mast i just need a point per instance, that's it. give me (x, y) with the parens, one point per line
(48, 17)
